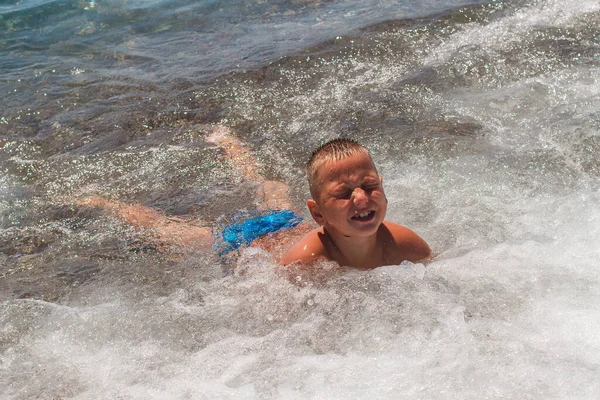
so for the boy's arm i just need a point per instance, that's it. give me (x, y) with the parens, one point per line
(410, 246)
(307, 251)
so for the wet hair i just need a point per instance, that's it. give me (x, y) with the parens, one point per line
(334, 150)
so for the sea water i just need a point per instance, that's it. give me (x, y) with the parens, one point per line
(483, 120)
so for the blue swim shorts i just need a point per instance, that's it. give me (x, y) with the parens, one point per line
(244, 229)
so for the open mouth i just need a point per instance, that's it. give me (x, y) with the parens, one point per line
(366, 216)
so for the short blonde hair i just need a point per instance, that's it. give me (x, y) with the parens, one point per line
(334, 150)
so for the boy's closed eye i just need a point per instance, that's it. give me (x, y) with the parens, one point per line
(370, 188)
(347, 194)
(343, 195)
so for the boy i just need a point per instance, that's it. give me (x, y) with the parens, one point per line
(349, 203)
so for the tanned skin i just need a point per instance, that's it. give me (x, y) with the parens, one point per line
(350, 207)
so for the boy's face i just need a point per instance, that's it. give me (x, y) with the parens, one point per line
(351, 201)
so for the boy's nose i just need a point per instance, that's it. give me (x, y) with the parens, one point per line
(359, 197)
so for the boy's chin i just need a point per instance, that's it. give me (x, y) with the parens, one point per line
(365, 230)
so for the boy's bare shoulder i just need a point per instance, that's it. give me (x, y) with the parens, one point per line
(408, 245)
(308, 250)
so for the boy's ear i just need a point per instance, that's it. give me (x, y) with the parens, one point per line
(313, 207)
(381, 179)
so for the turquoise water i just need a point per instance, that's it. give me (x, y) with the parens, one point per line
(482, 118)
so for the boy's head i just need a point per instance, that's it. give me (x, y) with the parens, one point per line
(347, 195)
(332, 151)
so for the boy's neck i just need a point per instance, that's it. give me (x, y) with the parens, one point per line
(355, 252)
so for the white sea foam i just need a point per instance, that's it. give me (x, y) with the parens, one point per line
(509, 30)
(517, 318)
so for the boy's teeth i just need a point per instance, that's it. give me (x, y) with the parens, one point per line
(363, 215)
